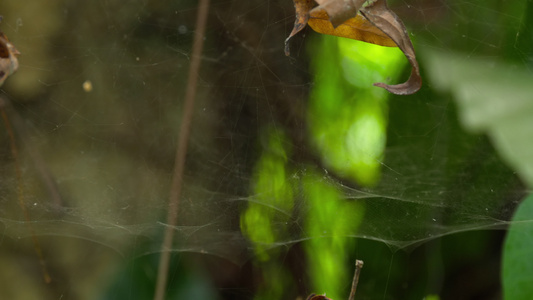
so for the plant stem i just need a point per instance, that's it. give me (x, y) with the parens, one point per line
(358, 267)
(181, 151)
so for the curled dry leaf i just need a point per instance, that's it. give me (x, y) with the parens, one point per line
(8, 58)
(302, 8)
(317, 297)
(374, 23)
(340, 10)
(382, 17)
(357, 28)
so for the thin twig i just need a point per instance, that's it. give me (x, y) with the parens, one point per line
(358, 267)
(181, 151)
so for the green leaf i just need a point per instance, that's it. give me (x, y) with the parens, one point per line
(517, 253)
(493, 98)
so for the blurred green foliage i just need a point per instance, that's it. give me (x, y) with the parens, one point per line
(347, 115)
(493, 94)
(136, 280)
(493, 98)
(330, 221)
(272, 200)
(347, 119)
(265, 219)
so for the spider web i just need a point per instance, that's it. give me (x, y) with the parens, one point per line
(96, 109)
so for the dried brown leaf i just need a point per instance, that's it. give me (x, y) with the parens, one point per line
(8, 58)
(377, 24)
(302, 8)
(357, 28)
(340, 10)
(317, 297)
(385, 19)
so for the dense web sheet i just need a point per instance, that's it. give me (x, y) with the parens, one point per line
(97, 158)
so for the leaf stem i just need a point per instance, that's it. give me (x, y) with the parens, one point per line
(181, 151)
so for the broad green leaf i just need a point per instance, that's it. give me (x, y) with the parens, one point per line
(493, 98)
(517, 253)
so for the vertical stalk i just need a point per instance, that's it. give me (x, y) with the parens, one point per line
(358, 267)
(181, 151)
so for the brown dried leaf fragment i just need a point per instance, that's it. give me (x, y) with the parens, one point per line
(357, 28)
(317, 297)
(385, 19)
(302, 8)
(340, 10)
(8, 58)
